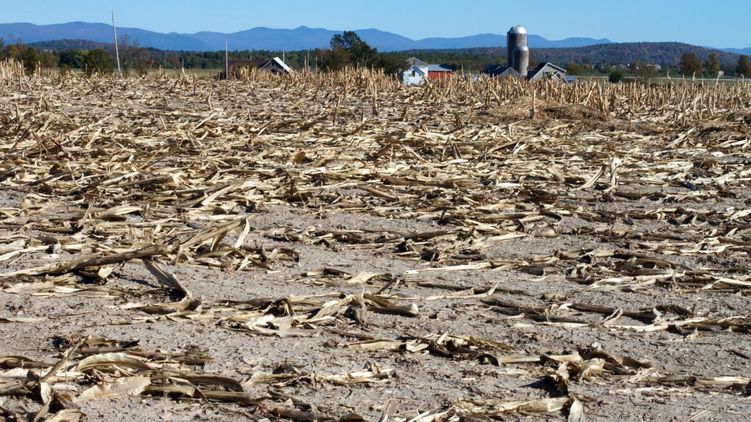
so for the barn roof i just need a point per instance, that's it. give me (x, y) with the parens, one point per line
(438, 68)
(550, 66)
(414, 61)
(281, 64)
(499, 70)
(546, 68)
(416, 69)
(261, 64)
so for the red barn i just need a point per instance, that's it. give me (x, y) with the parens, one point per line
(438, 71)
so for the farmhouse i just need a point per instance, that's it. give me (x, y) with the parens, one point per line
(415, 73)
(418, 71)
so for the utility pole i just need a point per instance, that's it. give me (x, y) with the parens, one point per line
(117, 52)
(226, 60)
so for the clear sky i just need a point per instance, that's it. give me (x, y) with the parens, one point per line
(724, 23)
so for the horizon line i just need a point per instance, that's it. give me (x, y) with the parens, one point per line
(366, 29)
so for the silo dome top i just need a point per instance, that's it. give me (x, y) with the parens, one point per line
(518, 29)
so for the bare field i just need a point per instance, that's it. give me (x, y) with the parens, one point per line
(339, 247)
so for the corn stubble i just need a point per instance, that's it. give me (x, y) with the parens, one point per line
(173, 170)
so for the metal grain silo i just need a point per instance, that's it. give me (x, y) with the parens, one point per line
(521, 59)
(516, 38)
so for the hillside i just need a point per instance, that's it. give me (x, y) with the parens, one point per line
(301, 38)
(30, 33)
(471, 59)
(666, 54)
(663, 53)
(62, 45)
(744, 51)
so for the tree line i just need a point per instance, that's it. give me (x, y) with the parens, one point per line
(348, 49)
(691, 64)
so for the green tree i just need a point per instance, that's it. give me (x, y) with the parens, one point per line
(336, 59)
(31, 59)
(73, 59)
(615, 76)
(391, 64)
(712, 64)
(98, 61)
(361, 53)
(15, 51)
(744, 67)
(574, 68)
(28, 56)
(49, 59)
(690, 64)
(133, 56)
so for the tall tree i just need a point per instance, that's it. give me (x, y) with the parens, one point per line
(744, 67)
(32, 60)
(336, 58)
(48, 59)
(574, 68)
(690, 64)
(133, 56)
(99, 61)
(72, 59)
(29, 56)
(362, 54)
(712, 64)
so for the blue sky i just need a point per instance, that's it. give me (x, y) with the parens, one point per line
(723, 24)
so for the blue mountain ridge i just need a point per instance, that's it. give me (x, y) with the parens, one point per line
(261, 38)
(301, 38)
(745, 51)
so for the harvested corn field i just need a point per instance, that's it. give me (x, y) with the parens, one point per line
(340, 247)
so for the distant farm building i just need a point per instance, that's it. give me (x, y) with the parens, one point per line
(497, 70)
(274, 65)
(517, 59)
(414, 61)
(637, 67)
(542, 71)
(438, 71)
(416, 73)
(548, 71)
(419, 71)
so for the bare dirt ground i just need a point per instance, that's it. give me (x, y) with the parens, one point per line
(339, 247)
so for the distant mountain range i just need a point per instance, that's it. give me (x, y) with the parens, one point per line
(81, 35)
(666, 54)
(662, 53)
(302, 38)
(745, 51)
